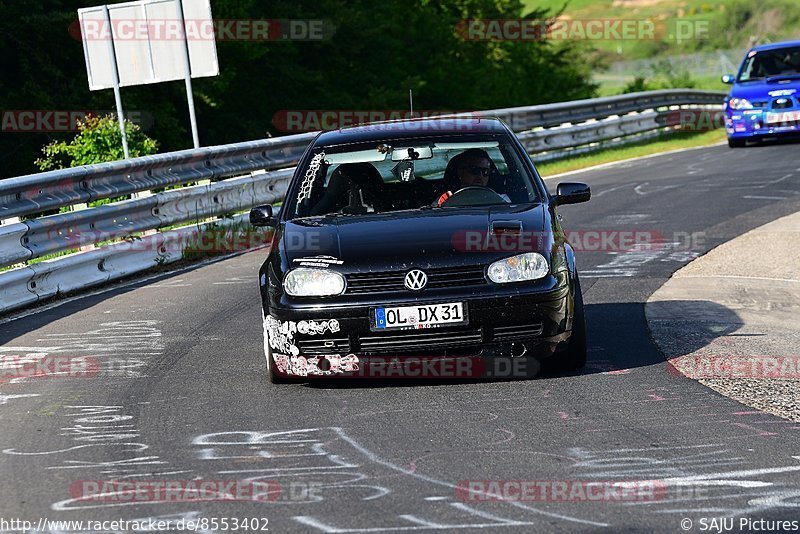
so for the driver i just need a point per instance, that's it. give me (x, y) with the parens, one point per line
(470, 168)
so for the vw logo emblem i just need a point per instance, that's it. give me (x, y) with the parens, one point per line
(416, 280)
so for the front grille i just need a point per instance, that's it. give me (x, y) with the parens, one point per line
(782, 103)
(324, 346)
(393, 281)
(507, 333)
(419, 341)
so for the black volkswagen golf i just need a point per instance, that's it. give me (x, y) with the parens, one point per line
(420, 241)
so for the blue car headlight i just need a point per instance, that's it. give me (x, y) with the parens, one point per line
(528, 266)
(303, 282)
(740, 103)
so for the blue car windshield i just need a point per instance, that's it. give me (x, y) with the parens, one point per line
(771, 63)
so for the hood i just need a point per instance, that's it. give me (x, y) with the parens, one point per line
(403, 239)
(761, 90)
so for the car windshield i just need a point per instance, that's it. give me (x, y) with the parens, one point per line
(409, 174)
(770, 63)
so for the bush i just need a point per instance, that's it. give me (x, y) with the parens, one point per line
(664, 76)
(98, 141)
(668, 77)
(638, 84)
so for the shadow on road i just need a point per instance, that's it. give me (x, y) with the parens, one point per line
(619, 339)
(620, 336)
(774, 141)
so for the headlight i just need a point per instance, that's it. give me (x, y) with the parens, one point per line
(740, 103)
(530, 266)
(313, 283)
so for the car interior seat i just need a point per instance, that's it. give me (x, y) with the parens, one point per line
(354, 188)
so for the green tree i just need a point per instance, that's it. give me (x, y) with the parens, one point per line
(99, 140)
(378, 51)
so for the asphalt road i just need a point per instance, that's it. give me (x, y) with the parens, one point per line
(188, 399)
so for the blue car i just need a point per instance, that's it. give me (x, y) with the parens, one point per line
(765, 98)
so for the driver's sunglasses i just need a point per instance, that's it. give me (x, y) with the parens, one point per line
(478, 171)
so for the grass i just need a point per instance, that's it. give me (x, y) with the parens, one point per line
(731, 21)
(119, 239)
(643, 148)
(707, 26)
(217, 239)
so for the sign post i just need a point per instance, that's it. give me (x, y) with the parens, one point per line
(147, 41)
(117, 96)
(187, 71)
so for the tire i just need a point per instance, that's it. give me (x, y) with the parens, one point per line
(274, 378)
(737, 143)
(574, 358)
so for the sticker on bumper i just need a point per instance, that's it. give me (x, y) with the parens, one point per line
(335, 364)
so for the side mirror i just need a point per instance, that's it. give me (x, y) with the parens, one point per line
(728, 78)
(572, 193)
(262, 216)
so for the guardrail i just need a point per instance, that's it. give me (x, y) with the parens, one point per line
(241, 176)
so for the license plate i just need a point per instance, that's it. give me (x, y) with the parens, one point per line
(786, 117)
(419, 316)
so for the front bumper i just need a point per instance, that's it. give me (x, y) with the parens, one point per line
(757, 123)
(339, 341)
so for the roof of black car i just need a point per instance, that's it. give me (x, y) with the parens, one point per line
(405, 129)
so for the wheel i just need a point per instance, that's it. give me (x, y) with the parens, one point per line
(737, 143)
(574, 358)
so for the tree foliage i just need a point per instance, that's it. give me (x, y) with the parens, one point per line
(378, 51)
(99, 140)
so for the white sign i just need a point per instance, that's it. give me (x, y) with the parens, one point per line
(150, 39)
